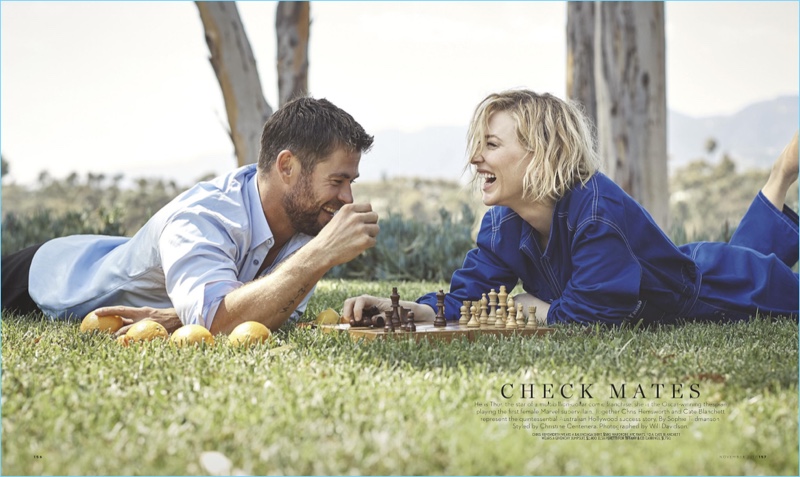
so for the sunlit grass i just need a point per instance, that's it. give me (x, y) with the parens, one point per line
(76, 404)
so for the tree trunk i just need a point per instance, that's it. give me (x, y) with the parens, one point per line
(292, 26)
(630, 89)
(580, 56)
(235, 67)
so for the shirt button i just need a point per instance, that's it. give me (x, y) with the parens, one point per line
(255, 262)
(269, 242)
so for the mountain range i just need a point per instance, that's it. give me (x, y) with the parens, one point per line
(752, 137)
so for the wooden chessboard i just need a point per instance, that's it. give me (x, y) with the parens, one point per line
(427, 330)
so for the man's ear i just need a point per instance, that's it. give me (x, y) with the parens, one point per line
(288, 166)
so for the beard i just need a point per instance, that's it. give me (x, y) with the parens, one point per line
(303, 208)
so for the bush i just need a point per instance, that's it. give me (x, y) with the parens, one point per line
(20, 231)
(408, 249)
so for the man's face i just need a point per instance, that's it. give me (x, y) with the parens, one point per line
(318, 195)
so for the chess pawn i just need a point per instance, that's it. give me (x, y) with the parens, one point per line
(473, 320)
(520, 316)
(533, 323)
(500, 319)
(492, 308)
(511, 323)
(464, 314)
(484, 319)
(410, 326)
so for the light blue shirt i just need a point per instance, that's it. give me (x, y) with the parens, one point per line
(204, 244)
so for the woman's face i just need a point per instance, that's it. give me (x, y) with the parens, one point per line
(501, 164)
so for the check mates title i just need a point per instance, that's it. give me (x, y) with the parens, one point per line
(615, 391)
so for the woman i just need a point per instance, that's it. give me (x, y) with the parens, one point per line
(585, 251)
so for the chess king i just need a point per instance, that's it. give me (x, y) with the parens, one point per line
(247, 246)
(585, 251)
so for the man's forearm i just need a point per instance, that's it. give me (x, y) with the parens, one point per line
(272, 299)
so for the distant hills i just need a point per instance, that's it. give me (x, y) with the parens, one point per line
(752, 137)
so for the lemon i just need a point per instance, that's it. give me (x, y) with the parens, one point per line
(190, 335)
(249, 333)
(109, 324)
(124, 340)
(146, 330)
(327, 317)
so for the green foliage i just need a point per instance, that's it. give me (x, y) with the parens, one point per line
(20, 231)
(75, 404)
(708, 200)
(408, 249)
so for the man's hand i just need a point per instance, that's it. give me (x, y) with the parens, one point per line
(167, 317)
(354, 308)
(351, 231)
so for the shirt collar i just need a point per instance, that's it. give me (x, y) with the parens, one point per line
(260, 228)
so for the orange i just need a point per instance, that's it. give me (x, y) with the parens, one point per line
(327, 317)
(146, 330)
(249, 333)
(190, 335)
(109, 324)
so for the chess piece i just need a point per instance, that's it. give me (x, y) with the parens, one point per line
(533, 323)
(492, 308)
(440, 320)
(511, 323)
(464, 314)
(502, 303)
(500, 319)
(395, 316)
(520, 316)
(410, 326)
(484, 319)
(473, 319)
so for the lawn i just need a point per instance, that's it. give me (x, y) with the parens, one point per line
(316, 403)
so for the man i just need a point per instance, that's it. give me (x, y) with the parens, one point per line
(247, 246)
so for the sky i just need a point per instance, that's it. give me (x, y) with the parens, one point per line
(127, 87)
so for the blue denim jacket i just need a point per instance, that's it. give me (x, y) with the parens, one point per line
(606, 261)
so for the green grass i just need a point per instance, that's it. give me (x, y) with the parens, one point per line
(77, 404)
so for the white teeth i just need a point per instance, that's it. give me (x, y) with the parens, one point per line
(330, 210)
(486, 176)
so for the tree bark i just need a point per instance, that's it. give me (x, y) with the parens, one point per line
(235, 67)
(292, 27)
(580, 56)
(629, 82)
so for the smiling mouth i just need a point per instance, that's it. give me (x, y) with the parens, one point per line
(330, 210)
(487, 177)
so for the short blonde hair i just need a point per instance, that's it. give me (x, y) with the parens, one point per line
(556, 134)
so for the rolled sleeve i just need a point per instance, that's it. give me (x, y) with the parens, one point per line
(199, 261)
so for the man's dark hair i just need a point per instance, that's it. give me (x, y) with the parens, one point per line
(312, 129)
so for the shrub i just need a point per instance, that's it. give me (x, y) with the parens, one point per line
(20, 231)
(409, 249)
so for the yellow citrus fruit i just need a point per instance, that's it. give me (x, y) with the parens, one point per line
(124, 340)
(249, 333)
(327, 317)
(146, 330)
(109, 324)
(190, 335)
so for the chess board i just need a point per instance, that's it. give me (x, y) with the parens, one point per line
(428, 331)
